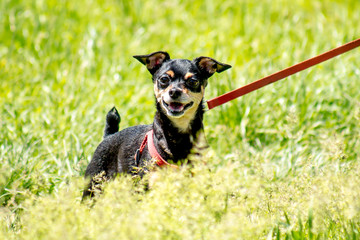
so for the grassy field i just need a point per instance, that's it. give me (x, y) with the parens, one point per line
(283, 162)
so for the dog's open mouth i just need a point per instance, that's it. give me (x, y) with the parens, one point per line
(177, 108)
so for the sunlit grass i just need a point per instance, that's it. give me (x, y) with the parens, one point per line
(283, 161)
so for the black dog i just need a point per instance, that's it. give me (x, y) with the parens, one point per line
(179, 86)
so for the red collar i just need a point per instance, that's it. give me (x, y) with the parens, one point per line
(149, 140)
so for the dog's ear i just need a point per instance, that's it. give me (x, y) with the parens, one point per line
(208, 66)
(153, 61)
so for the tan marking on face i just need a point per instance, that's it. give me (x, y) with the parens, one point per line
(160, 93)
(188, 75)
(170, 73)
(183, 122)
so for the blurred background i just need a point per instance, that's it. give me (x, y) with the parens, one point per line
(64, 64)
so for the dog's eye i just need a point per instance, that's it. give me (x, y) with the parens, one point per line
(164, 81)
(192, 82)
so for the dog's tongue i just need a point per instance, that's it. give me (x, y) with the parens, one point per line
(178, 107)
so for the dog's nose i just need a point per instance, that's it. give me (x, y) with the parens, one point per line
(175, 93)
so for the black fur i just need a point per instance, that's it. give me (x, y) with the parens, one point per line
(116, 152)
(112, 122)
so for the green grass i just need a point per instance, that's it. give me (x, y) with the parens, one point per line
(283, 163)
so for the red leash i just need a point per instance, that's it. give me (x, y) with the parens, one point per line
(282, 74)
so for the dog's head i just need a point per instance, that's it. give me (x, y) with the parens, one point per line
(179, 84)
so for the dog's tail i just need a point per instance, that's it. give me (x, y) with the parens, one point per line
(112, 122)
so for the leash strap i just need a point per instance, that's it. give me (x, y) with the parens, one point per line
(282, 74)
